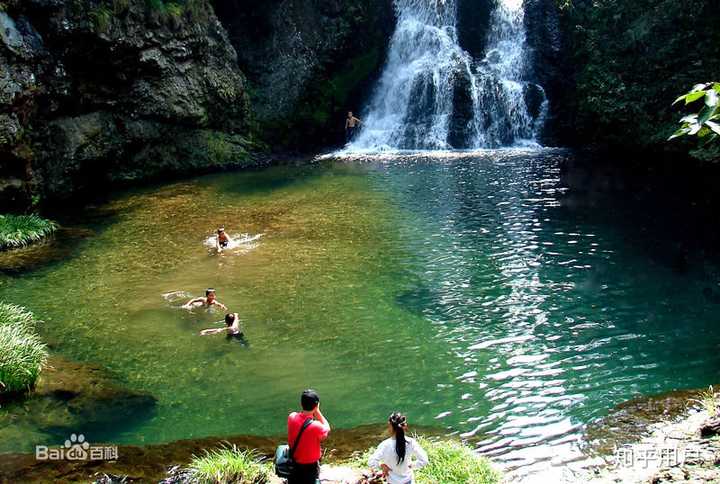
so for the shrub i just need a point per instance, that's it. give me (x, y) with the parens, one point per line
(229, 464)
(453, 462)
(20, 230)
(22, 354)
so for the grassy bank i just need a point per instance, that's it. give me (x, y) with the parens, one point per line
(21, 230)
(450, 462)
(22, 353)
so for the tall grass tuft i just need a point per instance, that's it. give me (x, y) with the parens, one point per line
(452, 462)
(709, 402)
(230, 464)
(16, 316)
(21, 230)
(22, 353)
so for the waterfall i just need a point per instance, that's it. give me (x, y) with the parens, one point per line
(433, 95)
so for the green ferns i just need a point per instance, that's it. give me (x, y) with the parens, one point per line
(21, 230)
(22, 354)
(229, 464)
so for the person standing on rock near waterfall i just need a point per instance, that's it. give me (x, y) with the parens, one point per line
(307, 451)
(351, 125)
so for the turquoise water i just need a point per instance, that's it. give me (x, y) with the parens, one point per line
(461, 288)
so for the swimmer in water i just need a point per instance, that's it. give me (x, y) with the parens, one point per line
(223, 240)
(208, 301)
(232, 327)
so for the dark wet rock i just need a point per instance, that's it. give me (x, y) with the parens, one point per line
(473, 23)
(460, 129)
(710, 428)
(71, 397)
(630, 421)
(85, 89)
(13, 196)
(309, 61)
(549, 64)
(534, 99)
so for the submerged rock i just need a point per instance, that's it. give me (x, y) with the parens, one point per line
(69, 398)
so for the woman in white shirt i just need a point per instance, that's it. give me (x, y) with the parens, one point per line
(394, 456)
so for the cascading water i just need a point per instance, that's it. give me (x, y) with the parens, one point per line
(434, 95)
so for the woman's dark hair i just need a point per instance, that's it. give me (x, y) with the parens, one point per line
(229, 319)
(399, 425)
(309, 400)
(208, 291)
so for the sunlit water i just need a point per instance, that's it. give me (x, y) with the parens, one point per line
(458, 288)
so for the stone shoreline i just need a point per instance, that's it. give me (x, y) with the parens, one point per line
(660, 437)
(663, 447)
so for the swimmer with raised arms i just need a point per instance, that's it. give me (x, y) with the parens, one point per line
(208, 301)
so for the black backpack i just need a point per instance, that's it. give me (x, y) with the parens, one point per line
(284, 462)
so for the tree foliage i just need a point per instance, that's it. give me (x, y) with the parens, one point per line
(629, 60)
(706, 123)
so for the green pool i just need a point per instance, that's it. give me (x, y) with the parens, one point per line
(459, 288)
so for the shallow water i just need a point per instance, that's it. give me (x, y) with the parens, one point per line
(458, 287)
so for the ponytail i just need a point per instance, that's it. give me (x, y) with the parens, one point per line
(399, 425)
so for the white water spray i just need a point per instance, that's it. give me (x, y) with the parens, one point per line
(434, 95)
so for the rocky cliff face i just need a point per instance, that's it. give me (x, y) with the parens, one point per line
(308, 62)
(548, 62)
(95, 92)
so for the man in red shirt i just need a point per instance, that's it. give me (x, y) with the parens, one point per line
(308, 452)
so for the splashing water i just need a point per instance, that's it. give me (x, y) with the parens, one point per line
(434, 95)
(245, 242)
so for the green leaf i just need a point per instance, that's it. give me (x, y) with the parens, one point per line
(679, 133)
(713, 126)
(716, 87)
(704, 132)
(694, 96)
(681, 98)
(711, 98)
(706, 113)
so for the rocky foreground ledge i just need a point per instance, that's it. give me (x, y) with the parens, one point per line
(672, 437)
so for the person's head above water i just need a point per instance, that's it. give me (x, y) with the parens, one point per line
(221, 229)
(350, 114)
(309, 400)
(210, 293)
(229, 319)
